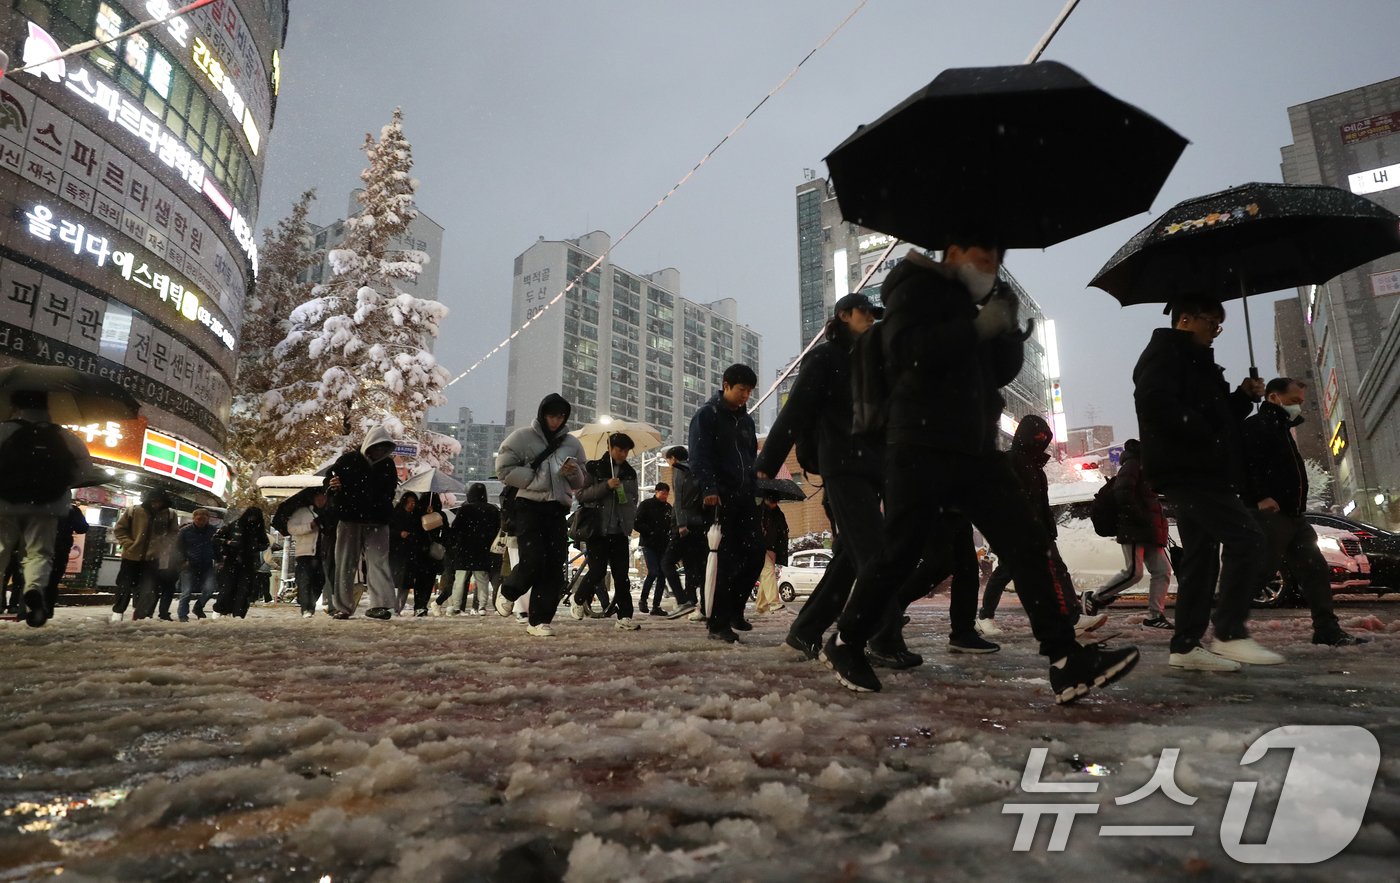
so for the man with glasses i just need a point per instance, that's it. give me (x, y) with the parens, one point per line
(1190, 424)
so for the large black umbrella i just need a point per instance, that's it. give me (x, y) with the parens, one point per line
(1247, 240)
(1030, 154)
(782, 488)
(74, 397)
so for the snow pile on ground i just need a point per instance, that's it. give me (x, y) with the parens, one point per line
(449, 749)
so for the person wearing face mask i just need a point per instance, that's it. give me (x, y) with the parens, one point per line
(362, 484)
(1276, 492)
(1189, 423)
(949, 342)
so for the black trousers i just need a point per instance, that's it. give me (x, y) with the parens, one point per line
(1003, 575)
(1219, 540)
(311, 580)
(132, 576)
(1291, 543)
(604, 552)
(740, 559)
(690, 551)
(949, 552)
(541, 532)
(853, 507)
(984, 488)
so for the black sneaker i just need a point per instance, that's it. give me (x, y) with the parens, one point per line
(1086, 600)
(1158, 622)
(809, 649)
(1338, 638)
(383, 613)
(1087, 668)
(655, 611)
(892, 657)
(741, 625)
(339, 614)
(165, 617)
(199, 614)
(723, 633)
(852, 668)
(421, 611)
(971, 644)
(36, 613)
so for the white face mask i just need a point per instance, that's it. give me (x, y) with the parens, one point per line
(978, 283)
(1293, 411)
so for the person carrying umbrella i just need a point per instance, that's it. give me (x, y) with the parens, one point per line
(300, 517)
(362, 484)
(610, 500)
(723, 444)
(775, 555)
(950, 341)
(41, 461)
(1190, 423)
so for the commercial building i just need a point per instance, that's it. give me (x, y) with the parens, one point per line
(1293, 357)
(480, 442)
(620, 344)
(1352, 140)
(1083, 440)
(424, 234)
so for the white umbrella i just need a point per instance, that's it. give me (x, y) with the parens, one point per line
(712, 568)
(432, 481)
(594, 436)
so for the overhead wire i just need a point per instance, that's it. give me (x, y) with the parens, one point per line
(89, 45)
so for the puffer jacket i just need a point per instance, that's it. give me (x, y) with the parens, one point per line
(723, 448)
(521, 447)
(689, 508)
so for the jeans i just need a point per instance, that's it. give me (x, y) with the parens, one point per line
(1138, 558)
(541, 533)
(655, 576)
(311, 579)
(1291, 543)
(607, 552)
(192, 577)
(1212, 521)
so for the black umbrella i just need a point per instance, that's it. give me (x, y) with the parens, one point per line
(74, 397)
(1030, 154)
(782, 488)
(1247, 240)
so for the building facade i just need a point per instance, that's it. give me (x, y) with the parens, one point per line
(131, 175)
(619, 344)
(1085, 440)
(1293, 357)
(1352, 140)
(480, 442)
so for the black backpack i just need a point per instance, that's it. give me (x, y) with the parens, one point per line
(870, 386)
(1103, 511)
(38, 466)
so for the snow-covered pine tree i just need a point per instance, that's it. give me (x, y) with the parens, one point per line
(355, 355)
(287, 252)
(1319, 484)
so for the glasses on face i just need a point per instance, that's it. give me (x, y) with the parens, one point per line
(1216, 325)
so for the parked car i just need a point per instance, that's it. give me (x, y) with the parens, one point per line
(1349, 569)
(1382, 547)
(802, 573)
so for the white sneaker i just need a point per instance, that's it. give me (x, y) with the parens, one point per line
(577, 611)
(307, 614)
(697, 616)
(214, 614)
(1088, 623)
(1246, 650)
(522, 617)
(987, 628)
(543, 630)
(116, 617)
(504, 606)
(1201, 659)
(627, 625)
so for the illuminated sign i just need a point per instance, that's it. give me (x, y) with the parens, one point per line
(182, 461)
(204, 60)
(1056, 400)
(1375, 180)
(117, 441)
(161, 10)
(1329, 393)
(1338, 442)
(185, 301)
(147, 128)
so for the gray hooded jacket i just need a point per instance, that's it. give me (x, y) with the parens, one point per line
(528, 442)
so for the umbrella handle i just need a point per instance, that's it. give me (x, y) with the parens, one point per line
(1248, 332)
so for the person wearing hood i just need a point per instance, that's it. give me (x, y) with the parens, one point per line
(35, 493)
(1028, 455)
(143, 531)
(469, 557)
(1276, 491)
(1142, 534)
(723, 447)
(238, 547)
(362, 484)
(1190, 424)
(543, 463)
(610, 502)
(408, 555)
(949, 342)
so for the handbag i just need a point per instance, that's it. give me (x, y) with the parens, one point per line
(432, 521)
(583, 524)
(498, 545)
(437, 551)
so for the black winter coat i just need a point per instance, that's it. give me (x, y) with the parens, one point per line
(366, 494)
(1140, 518)
(723, 447)
(468, 540)
(775, 533)
(1188, 419)
(689, 510)
(821, 398)
(1273, 466)
(654, 523)
(944, 382)
(1028, 459)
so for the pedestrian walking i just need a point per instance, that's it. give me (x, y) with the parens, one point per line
(544, 464)
(196, 552)
(609, 501)
(775, 554)
(723, 447)
(1276, 490)
(816, 420)
(408, 554)
(469, 556)
(143, 531)
(1142, 535)
(304, 528)
(655, 521)
(1190, 423)
(950, 340)
(42, 461)
(238, 548)
(70, 525)
(362, 484)
(686, 547)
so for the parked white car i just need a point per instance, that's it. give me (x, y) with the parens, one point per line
(802, 573)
